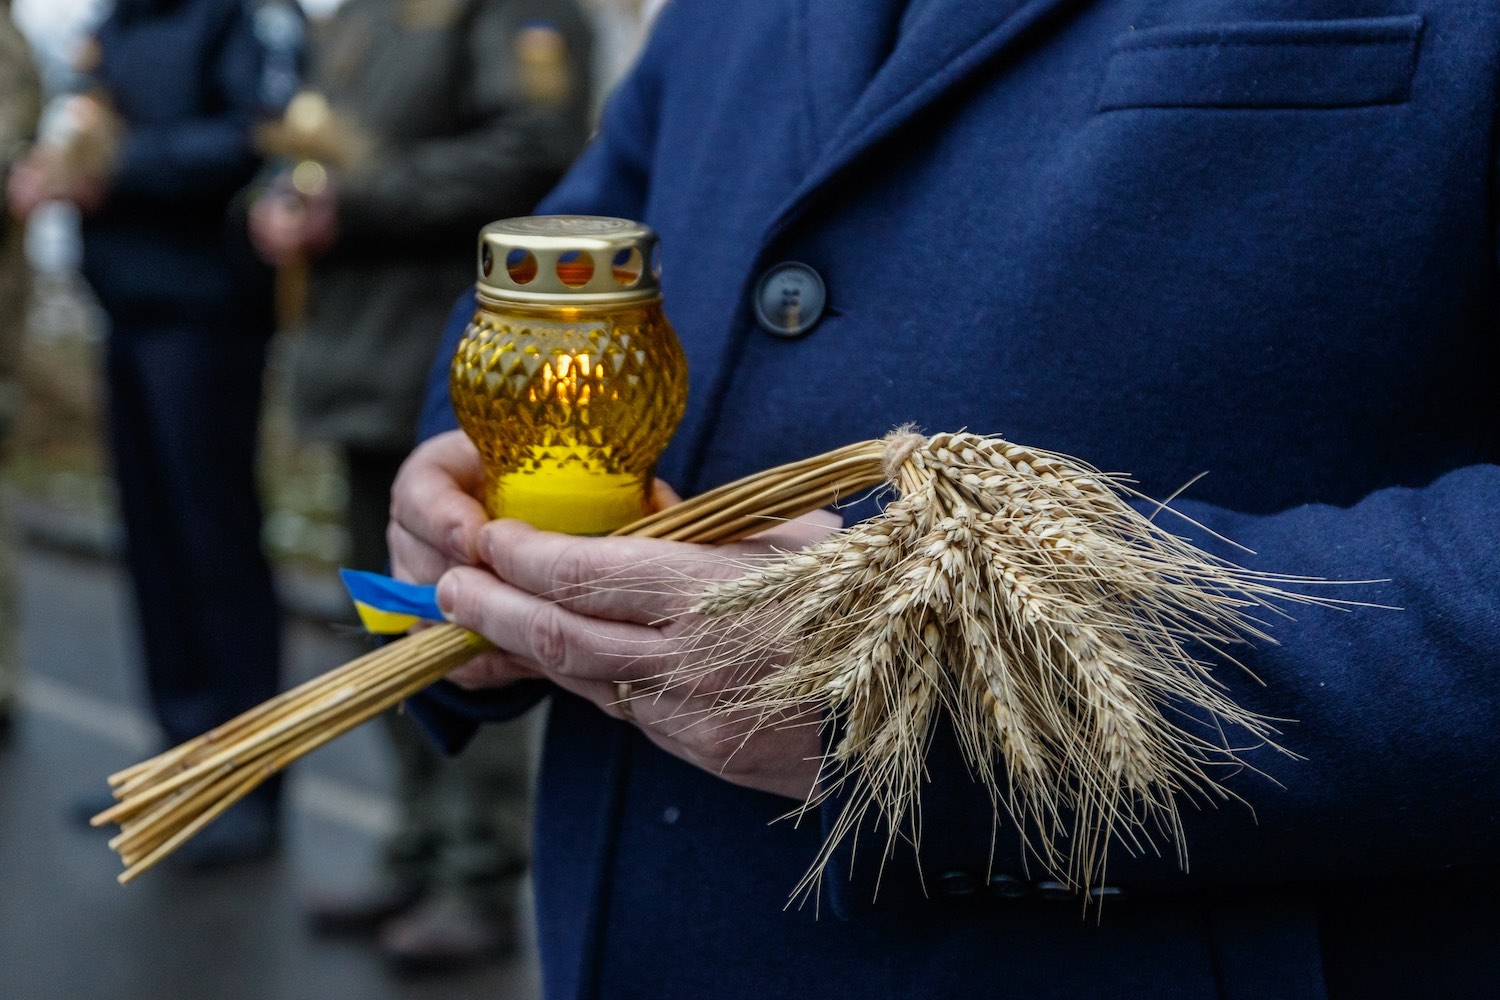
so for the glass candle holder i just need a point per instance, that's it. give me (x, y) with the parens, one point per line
(569, 379)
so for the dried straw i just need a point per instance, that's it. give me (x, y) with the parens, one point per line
(163, 801)
(1015, 591)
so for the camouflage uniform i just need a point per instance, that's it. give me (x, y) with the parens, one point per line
(20, 104)
(449, 114)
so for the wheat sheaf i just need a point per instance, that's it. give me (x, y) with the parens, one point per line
(1033, 601)
(1068, 637)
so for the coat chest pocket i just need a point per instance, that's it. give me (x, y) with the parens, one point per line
(1264, 64)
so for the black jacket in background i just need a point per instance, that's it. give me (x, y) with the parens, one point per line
(190, 78)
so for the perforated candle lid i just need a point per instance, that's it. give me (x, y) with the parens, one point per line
(567, 259)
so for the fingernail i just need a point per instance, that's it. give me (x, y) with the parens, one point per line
(488, 547)
(447, 595)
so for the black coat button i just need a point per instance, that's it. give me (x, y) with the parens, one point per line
(1054, 892)
(789, 299)
(959, 883)
(1009, 887)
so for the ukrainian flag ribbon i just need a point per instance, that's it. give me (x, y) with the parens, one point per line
(387, 606)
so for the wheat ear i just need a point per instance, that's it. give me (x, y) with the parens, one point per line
(1024, 595)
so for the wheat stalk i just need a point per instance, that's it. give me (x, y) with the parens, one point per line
(163, 801)
(1017, 591)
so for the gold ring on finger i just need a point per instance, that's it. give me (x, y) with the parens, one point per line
(623, 697)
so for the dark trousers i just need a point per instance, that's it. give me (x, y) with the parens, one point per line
(184, 405)
(463, 823)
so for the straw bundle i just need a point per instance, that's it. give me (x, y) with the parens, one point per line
(1015, 590)
(164, 801)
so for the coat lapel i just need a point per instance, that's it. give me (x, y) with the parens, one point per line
(844, 46)
(884, 87)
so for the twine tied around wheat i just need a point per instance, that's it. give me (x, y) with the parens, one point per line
(1026, 596)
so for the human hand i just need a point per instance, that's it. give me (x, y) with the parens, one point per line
(610, 619)
(42, 176)
(289, 227)
(276, 229)
(437, 508)
(579, 612)
(27, 187)
(436, 514)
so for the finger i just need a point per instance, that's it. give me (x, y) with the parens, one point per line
(663, 496)
(434, 499)
(412, 559)
(542, 635)
(665, 709)
(781, 756)
(797, 533)
(490, 669)
(641, 580)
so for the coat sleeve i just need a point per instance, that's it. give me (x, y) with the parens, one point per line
(208, 158)
(442, 189)
(1394, 713)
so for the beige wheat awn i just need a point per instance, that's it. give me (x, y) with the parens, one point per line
(1019, 592)
(1061, 630)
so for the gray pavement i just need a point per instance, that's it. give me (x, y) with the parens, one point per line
(67, 930)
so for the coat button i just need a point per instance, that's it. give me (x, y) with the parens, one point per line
(1054, 892)
(1009, 887)
(789, 299)
(959, 883)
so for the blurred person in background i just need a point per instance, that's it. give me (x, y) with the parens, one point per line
(620, 28)
(154, 155)
(20, 106)
(426, 121)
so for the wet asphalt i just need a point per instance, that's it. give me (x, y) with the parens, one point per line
(67, 930)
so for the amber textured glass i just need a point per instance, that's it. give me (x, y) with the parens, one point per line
(570, 407)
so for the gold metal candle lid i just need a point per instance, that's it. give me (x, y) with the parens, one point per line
(578, 259)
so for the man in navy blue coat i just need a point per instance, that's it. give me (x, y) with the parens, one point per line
(190, 318)
(1167, 237)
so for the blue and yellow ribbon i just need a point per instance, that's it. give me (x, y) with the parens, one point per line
(387, 606)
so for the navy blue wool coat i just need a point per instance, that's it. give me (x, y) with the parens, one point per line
(1251, 239)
